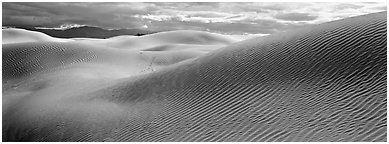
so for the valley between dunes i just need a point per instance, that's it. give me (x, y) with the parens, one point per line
(325, 82)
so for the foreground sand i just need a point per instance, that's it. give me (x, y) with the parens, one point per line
(321, 83)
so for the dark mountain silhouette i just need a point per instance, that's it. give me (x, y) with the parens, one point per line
(89, 32)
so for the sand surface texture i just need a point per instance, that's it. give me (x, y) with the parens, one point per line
(321, 83)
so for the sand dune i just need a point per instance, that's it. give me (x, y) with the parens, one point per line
(321, 83)
(14, 35)
(22, 57)
(178, 38)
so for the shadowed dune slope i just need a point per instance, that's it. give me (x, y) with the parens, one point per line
(321, 83)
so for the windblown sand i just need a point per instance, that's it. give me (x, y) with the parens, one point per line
(321, 83)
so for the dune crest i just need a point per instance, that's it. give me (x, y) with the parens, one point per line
(14, 35)
(179, 38)
(321, 83)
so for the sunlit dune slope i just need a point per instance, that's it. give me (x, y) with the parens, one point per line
(180, 38)
(321, 83)
(13, 35)
(23, 57)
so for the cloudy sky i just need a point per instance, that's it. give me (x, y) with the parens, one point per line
(227, 18)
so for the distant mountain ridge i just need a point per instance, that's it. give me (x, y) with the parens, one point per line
(88, 32)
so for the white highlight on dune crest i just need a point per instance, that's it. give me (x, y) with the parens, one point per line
(15, 35)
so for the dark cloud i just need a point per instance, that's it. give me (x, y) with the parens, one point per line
(295, 16)
(109, 15)
(263, 7)
(231, 17)
(192, 6)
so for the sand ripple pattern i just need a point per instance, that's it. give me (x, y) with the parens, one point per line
(322, 83)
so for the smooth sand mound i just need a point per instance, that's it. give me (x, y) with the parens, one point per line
(190, 37)
(320, 83)
(181, 37)
(182, 47)
(13, 35)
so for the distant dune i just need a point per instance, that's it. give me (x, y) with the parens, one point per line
(87, 31)
(13, 35)
(181, 37)
(321, 83)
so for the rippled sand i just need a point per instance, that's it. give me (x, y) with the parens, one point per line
(321, 83)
